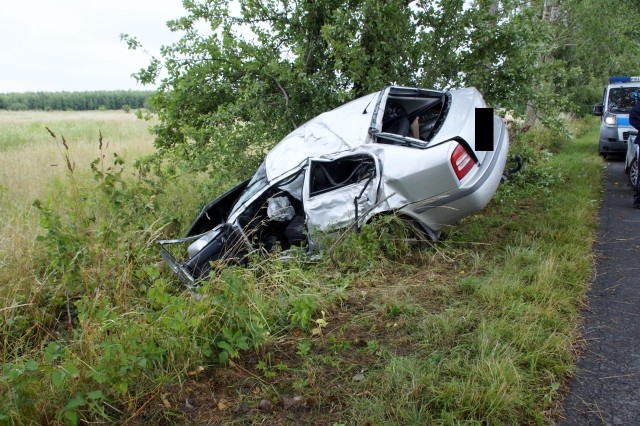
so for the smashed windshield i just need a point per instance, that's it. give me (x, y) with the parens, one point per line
(256, 184)
(622, 99)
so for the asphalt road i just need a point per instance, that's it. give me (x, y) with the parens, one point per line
(606, 388)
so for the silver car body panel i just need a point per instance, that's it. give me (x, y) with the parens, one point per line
(416, 182)
(403, 174)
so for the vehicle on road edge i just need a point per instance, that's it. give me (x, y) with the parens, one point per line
(619, 96)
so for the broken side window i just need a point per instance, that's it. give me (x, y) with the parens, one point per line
(329, 175)
(412, 117)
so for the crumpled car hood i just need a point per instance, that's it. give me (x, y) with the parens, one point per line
(338, 130)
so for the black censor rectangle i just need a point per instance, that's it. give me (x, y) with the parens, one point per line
(484, 129)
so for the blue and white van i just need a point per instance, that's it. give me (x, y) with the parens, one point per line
(620, 95)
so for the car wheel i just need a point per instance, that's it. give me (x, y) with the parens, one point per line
(633, 172)
(415, 234)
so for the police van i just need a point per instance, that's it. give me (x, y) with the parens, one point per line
(620, 95)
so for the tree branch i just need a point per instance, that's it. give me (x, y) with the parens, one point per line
(286, 97)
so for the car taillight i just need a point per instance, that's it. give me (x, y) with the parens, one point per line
(461, 161)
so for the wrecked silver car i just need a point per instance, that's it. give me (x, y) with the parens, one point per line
(410, 151)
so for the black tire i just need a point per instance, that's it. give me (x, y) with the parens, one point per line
(633, 172)
(416, 235)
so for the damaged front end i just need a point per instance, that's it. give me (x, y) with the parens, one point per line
(253, 215)
(408, 151)
(225, 242)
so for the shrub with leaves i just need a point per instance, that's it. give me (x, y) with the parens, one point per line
(386, 238)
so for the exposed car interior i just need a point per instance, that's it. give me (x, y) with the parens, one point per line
(417, 115)
(276, 218)
(327, 176)
(283, 230)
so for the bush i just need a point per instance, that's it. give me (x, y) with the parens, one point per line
(386, 238)
(107, 321)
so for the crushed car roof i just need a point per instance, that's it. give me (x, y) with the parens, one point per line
(334, 131)
(347, 127)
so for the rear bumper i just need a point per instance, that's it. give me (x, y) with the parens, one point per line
(447, 208)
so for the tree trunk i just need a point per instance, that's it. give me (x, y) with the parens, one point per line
(550, 14)
(551, 11)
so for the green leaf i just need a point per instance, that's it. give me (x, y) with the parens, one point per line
(71, 417)
(242, 343)
(123, 387)
(58, 377)
(51, 352)
(76, 402)
(71, 369)
(195, 321)
(152, 271)
(98, 375)
(93, 395)
(224, 345)
(228, 334)
(31, 365)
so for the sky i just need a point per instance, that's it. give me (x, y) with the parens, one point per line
(74, 45)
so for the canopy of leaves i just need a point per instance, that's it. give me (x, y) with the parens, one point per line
(245, 73)
(598, 39)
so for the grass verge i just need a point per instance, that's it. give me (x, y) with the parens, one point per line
(478, 328)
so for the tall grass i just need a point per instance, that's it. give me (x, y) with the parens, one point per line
(30, 159)
(478, 328)
(501, 344)
(32, 164)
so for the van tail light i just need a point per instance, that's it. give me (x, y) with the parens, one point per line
(461, 161)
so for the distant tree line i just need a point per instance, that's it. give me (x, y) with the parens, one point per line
(75, 101)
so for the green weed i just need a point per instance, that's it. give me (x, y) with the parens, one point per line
(477, 328)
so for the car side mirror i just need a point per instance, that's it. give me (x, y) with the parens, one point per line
(598, 110)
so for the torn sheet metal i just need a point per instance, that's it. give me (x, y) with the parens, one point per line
(410, 151)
